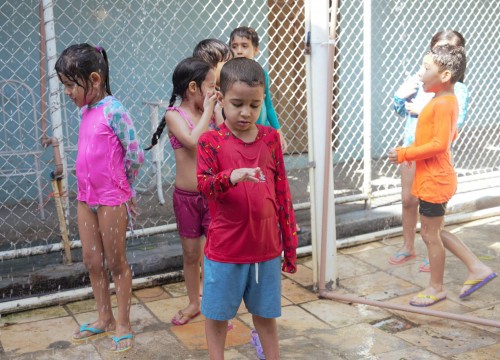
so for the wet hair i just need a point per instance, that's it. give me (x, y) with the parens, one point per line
(188, 70)
(78, 61)
(241, 69)
(453, 38)
(213, 51)
(451, 58)
(245, 32)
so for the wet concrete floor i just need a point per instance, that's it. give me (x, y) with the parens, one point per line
(310, 328)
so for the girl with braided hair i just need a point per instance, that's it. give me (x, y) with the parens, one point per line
(194, 84)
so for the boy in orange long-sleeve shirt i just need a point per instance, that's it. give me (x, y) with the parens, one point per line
(435, 179)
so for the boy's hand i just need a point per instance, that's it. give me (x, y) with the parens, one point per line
(246, 174)
(393, 156)
(284, 144)
(408, 88)
(412, 108)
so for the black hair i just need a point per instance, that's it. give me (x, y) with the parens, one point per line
(213, 51)
(78, 61)
(452, 58)
(453, 38)
(245, 32)
(241, 69)
(188, 70)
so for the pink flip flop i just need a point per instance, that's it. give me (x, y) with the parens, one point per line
(181, 315)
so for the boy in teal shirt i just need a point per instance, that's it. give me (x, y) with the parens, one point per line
(244, 42)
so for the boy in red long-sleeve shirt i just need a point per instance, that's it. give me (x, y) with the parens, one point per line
(435, 179)
(241, 171)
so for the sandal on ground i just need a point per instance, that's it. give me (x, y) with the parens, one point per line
(476, 284)
(425, 266)
(176, 320)
(117, 340)
(401, 257)
(255, 341)
(95, 333)
(420, 296)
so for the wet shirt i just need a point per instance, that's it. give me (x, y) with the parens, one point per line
(435, 179)
(423, 98)
(245, 217)
(109, 154)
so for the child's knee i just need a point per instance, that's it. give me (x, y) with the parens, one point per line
(118, 267)
(92, 261)
(409, 201)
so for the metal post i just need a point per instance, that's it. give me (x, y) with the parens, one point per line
(54, 98)
(367, 99)
(322, 91)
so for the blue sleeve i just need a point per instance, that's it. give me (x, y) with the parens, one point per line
(399, 106)
(462, 95)
(271, 113)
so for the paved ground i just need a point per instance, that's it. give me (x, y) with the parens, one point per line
(309, 328)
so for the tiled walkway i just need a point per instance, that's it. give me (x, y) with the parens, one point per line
(309, 328)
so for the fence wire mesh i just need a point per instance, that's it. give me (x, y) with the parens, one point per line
(145, 39)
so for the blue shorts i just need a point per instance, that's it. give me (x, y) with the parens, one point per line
(226, 284)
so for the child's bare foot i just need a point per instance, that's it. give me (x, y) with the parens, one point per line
(122, 341)
(428, 297)
(93, 330)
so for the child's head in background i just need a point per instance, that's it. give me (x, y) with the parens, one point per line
(84, 71)
(450, 37)
(244, 42)
(442, 67)
(214, 52)
(242, 85)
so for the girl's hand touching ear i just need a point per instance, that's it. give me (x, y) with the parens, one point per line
(210, 100)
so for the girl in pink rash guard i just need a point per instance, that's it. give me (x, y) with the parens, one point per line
(108, 161)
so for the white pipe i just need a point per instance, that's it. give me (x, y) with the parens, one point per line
(310, 147)
(346, 242)
(367, 99)
(75, 244)
(78, 294)
(397, 231)
(488, 180)
(63, 297)
(45, 249)
(54, 97)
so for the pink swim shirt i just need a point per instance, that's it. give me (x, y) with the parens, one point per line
(109, 154)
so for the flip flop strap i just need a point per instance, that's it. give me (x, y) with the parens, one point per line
(124, 337)
(86, 327)
(432, 297)
(402, 254)
(473, 282)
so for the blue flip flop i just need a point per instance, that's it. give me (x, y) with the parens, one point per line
(96, 333)
(117, 341)
(477, 284)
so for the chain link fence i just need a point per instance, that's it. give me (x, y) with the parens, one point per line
(145, 39)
